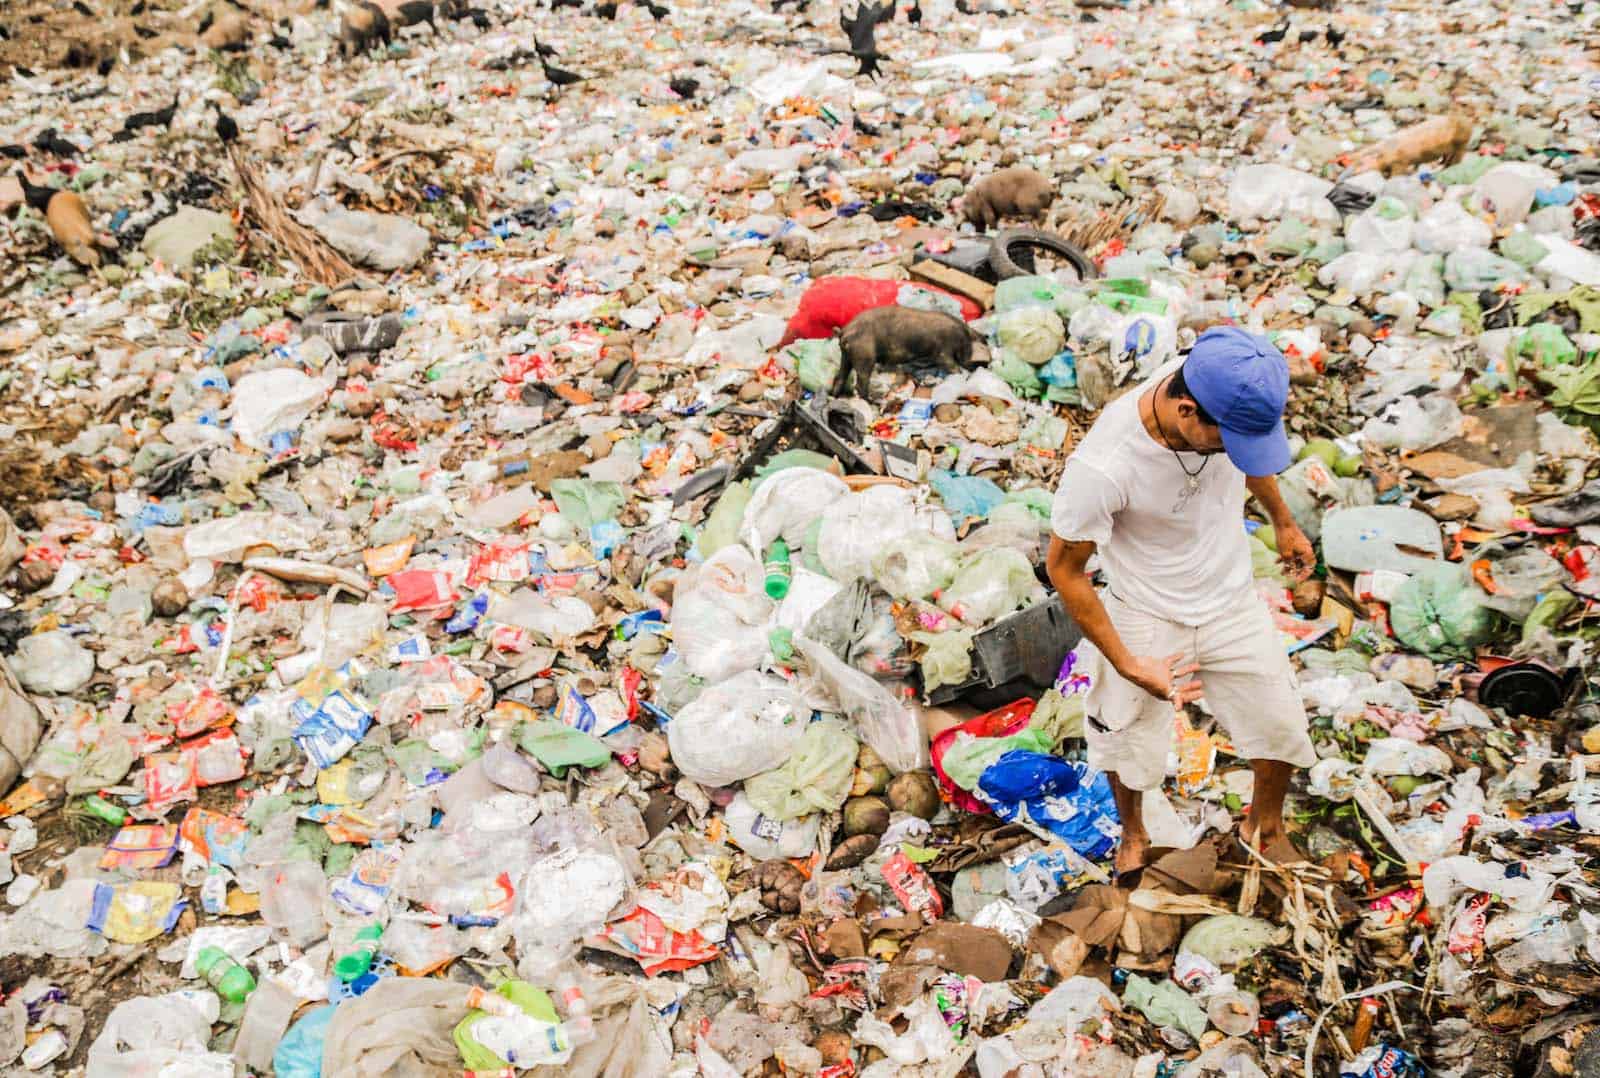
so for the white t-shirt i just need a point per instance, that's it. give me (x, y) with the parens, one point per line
(1166, 550)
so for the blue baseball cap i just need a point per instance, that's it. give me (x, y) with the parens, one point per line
(1243, 382)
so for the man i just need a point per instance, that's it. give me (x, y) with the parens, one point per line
(1157, 489)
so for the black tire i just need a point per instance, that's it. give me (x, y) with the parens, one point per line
(1011, 254)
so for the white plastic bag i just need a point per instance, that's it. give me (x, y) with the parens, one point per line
(740, 727)
(989, 585)
(1270, 191)
(718, 614)
(1447, 226)
(764, 838)
(892, 729)
(915, 565)
(785, 503)
(1032, 334)
(267, 402)
(160, 1035)
(856, 527)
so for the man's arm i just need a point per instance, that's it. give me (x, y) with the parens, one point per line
(1294, 549)
(1065, 563)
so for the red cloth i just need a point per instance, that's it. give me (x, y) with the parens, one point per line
(831, 302)
(1000, 722)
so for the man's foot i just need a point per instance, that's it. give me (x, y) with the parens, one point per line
(1133, 855)
(1273, 844)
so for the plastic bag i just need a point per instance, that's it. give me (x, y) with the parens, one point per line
(586, 502)
(816, 778)
(817, 362)
(1016, 372)
(299, 1054)
(892, 729)
(1269, 191)
(1447, 226)
(721, 528)
(1166, 1004)
(1439, 613)
(1033, 334)
(740, 727)
(20, 727)
(948, 658)
(965, 495)
(1030, 291)
(400, 1026)
(1544, 343)
(989, 585)
(717, 613)
(1227, 939)
(165, 1035)
(271, 402)
(1053, 796)
(915, 565)
(1411, 424)
(766, 839)
(855, 528)
(1476, 270)
(785, 503)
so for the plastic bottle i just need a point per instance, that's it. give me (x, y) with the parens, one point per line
(779, 571)
(224, 973)
(99, 806)
(356, 961)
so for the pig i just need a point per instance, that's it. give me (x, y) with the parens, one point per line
(363, 26)
(1011, 192)
(901, 336)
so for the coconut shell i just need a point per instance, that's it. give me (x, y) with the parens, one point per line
(866, 816)
(916, 793)
(170, 598)
(852, 851)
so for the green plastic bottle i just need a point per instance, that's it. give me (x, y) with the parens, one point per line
(356, 961)
(779, 572)
(223, 973)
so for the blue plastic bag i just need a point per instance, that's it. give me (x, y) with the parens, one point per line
(1070, 800)
(966, 495)
(299, 1054)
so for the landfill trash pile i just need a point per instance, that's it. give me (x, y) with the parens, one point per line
(523, 534)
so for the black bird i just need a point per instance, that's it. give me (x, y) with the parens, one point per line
(862, 32)
(137, 9)
(914, 15)
(83, 9)
(205, 21)
(1276, 34)
(479, 17)
(278, 41)
(556, 75)
(227, 129)
(684, 86)
(14, 151)
(25, 72)
(38, 197)
(557, 5)
(1335, 38)
(142, 32)
(158, 118)
(657, 11)
(965, 8)
(103, 68)
(48, 141)
(607, 10)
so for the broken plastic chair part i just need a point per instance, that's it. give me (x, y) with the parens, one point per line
(1523, 689)
(1023, 651)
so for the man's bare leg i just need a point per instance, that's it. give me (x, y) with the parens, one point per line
(1133, 852)
(1263, 825)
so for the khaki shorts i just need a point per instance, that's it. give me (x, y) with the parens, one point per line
(1248, 682)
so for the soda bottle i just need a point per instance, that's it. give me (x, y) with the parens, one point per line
(223, 972)
(779, 572)
(355, 962)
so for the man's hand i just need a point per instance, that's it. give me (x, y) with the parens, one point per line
(1294, 550)
(1158, 677)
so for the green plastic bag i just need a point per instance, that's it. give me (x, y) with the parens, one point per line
(1031, 334)
(1467, 170)
(1022, 377)
(532, 1001)
(1291, 237)
(817, 362)
(1545, 343)
(1437, 613)
(1037, 499)
(1048, 431)
(1028, 291)
(948, 660)
(1523, 249)
(1166, 1004)
(586, 502)
(798, 458)
(816, 778)
(558, 746)
(721, 528)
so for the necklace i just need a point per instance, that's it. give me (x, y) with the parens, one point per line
(1192, 478)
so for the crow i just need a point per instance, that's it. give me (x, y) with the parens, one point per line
(607, 10)
(103, 68)
(1276, 34)
(158, 118)
(14, 151)
(914, 14)
(48, 141)
(227, 128)
(684, 86)
(137, 9)
(479, 17)
(541, 49)
(657, 11)
(862, 31)
(1335, 38)
(83, 9)
(557, 5)
(36, 196)
(556, 75)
